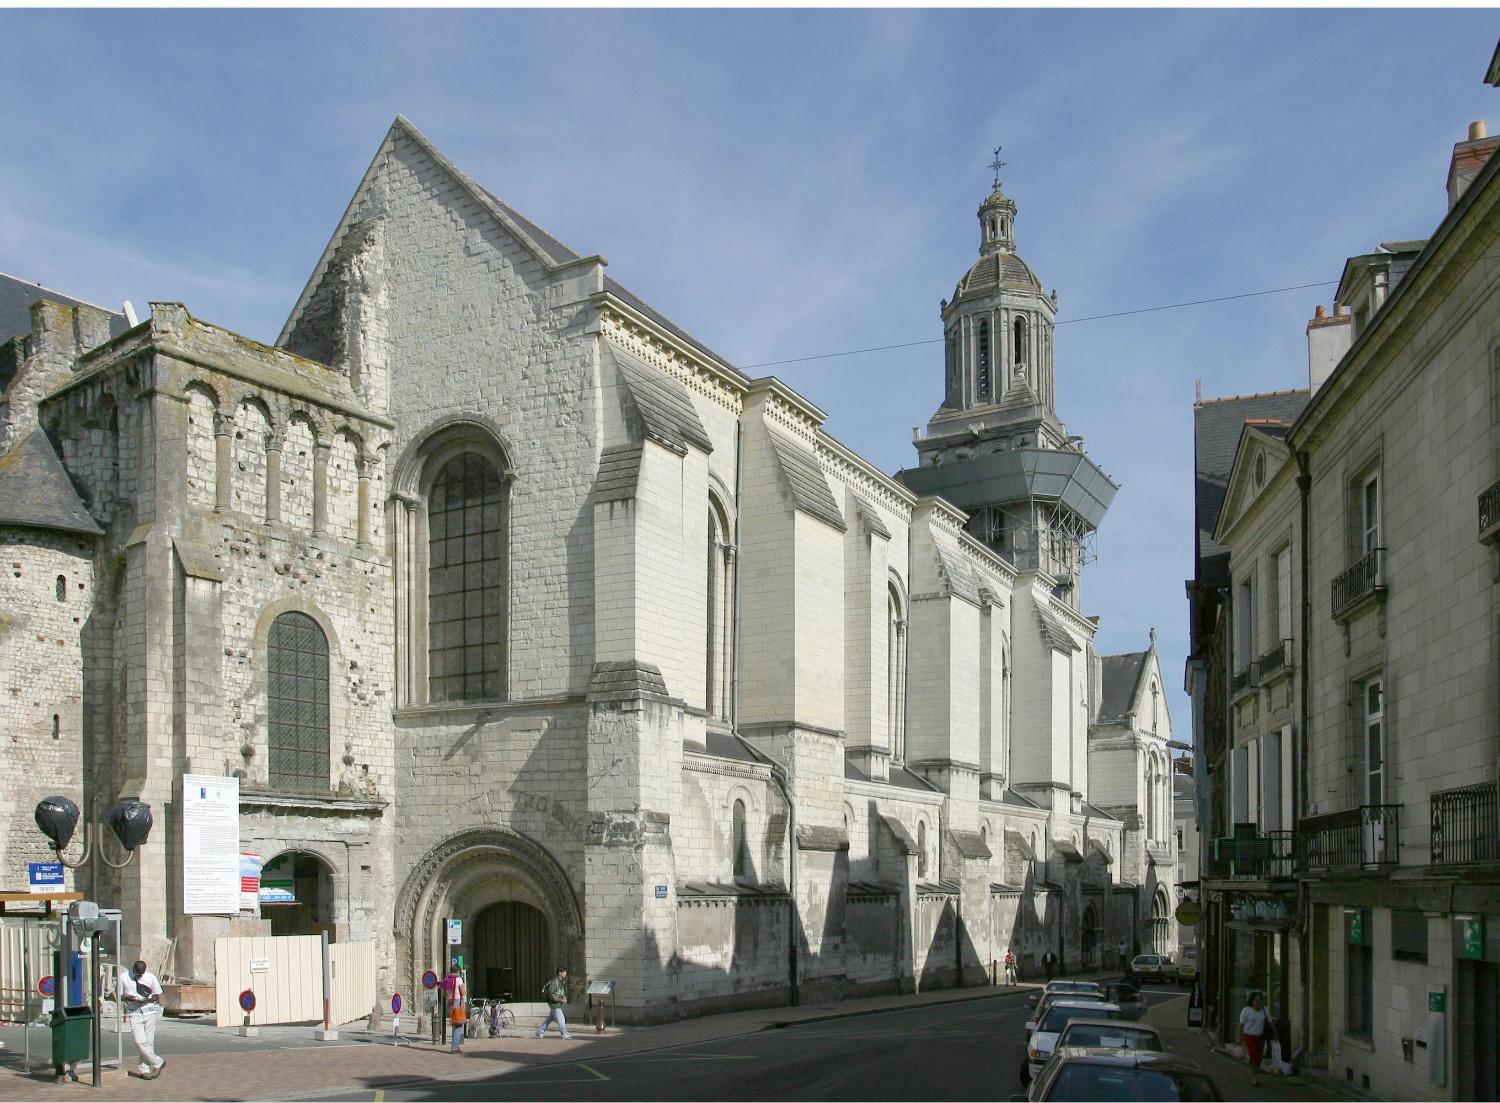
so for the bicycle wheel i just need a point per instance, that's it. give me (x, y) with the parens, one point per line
(506, 1020)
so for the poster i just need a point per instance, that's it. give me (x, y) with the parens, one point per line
(250, 865)
(210, 845)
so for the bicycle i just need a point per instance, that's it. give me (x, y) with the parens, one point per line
(500, 1018)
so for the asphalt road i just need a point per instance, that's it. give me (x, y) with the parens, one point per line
(965, 1051)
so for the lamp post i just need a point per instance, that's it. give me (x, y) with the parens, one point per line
(130, 820)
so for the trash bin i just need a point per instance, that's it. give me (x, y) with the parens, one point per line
(72, 1034)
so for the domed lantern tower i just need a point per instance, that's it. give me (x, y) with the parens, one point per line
(995, 447)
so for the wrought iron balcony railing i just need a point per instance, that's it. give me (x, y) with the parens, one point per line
(1362, 582)
(1274, 662)
(1369, 835)
(1243, 679)
(1489, 514)
(1265, 856)
(1466, 825)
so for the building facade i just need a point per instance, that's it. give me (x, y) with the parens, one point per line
(508, 600)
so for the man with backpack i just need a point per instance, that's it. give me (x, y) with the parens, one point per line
(556, 995)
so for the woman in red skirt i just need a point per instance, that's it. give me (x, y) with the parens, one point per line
(1253, 1031)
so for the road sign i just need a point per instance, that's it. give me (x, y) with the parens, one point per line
(661, 892)
(396, 1004)
(47, 986)
(429, 979)
(1189, 913)
(44, 876)
(247, 1001)
(455, 932)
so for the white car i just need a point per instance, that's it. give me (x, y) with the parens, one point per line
(1050, 998)
(1054, 1020)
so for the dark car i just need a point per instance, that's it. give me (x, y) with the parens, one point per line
(1128, 996)
(1085, 1073)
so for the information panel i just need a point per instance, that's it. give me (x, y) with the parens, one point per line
(210, 845)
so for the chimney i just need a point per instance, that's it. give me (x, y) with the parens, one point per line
(1469, 157)
(1328, 338)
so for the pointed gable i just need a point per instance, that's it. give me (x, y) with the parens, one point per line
(1261, 452)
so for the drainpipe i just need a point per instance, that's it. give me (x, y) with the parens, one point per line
(1299, 777)
(778, 773)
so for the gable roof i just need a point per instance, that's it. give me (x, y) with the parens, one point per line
(17, 295)
(1217, 425)
(550, 251)
(1239, 495)
(36, 492)
(1119, 677)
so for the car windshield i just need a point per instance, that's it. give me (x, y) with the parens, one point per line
(1086, 1083)
(1072, 997)
(1059, 1017)
(1115, 1037)
(1073, 986)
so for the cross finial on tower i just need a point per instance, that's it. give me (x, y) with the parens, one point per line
(997, 165)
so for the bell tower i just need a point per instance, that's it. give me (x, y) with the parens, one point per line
(996, 447)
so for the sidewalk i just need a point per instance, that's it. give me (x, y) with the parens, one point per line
(1232, 1075)
(363, 1062)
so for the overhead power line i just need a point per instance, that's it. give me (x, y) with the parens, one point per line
(1063, 322)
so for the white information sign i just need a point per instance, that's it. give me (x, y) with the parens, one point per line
(455, 932)
(210, 845)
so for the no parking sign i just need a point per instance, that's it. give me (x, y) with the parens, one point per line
(396, 1004)
(247, 1001)
(429, 979)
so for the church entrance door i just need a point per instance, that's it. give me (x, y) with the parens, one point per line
(512, 948)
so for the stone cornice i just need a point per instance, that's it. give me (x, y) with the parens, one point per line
(701, 762)
(846, 464)
(787, 408)
(886, 791)
(638, 334)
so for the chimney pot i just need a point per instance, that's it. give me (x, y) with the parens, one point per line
(1478, 129)
(1321, 312)
(1340, 309)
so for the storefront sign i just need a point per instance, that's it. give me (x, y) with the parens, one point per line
(1468, 937)
(210, 845)
(1189, 913)
(1437, 1001)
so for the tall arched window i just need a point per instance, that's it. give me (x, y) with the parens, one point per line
(1019, 342)
(741, 845)
(719, 693)
(951, 364)
(896, 673)
(921, 849)
(466, 581)
(982, 361)
(297, 703)
(1150, 799)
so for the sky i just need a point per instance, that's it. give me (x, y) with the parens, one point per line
(785, 184)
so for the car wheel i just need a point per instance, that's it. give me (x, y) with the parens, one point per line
(1025, 1074)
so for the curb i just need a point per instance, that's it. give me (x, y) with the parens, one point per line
(862, 1011)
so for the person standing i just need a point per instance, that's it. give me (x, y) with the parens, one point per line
(556, 995)
(1010, 967)
(458, 1002)
(1049, 960)
(1123, 951)
(140, 997)
(1253, 1030)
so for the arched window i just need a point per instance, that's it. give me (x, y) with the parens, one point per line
(1161, 924)
(951, 363)
(982, 361)
(62, 587)
(741, 846)
(921, 849)
(466, 581)
(719, 694)
(896, 673)
(1019, 343)
(297, 702)
(1150, 799)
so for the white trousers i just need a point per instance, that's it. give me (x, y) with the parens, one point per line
(562, 1022)
(143, 1030)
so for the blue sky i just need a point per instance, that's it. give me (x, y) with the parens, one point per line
(785, 183)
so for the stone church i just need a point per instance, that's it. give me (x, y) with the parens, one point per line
(508, 600)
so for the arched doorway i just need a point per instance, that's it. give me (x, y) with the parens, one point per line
(1091, 931)
(512, 952)
(296, 895)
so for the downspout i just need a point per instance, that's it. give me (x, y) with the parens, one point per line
(1299, 776)
(778, 773)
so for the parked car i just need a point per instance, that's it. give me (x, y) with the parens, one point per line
(1050, 1026)
(1084, 1074)
(1127, 996)
(1187, 965)
(1154, 967)
(1111, 1034)
(1063, 986)
(1049, 998)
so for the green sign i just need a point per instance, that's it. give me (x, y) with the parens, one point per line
(1354, 927)
(1437, 1001)
(1470, 940)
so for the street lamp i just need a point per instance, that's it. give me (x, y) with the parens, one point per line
(130, 820)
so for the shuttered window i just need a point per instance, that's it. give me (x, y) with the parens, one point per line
(1408, 934)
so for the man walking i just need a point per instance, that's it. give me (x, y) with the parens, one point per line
(556, 994)
(1010, 967)
(140, 996)
(1049, 959)
(1123, 951)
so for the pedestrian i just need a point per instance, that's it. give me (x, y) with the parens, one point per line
(458, 1001)
(1011, 975)
(1253, 1030)
(556, 994)
(1049, 961)
(1124, 950)
(140, 997)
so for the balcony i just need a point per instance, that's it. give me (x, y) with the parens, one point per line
(1274, 663)
(1367, 836)
(1359, 585)
(1261, 856)
(1243, 680)
(1466, 825)
(1489, 514)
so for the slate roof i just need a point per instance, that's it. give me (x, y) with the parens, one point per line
(35, 491)
(665, 409)
(1010, 796)
(1097, 812)
(724, 745)
(1119, 675)
(619, 473)
(999, 269)
(806, 481)
(17, 295)
(1217, 425)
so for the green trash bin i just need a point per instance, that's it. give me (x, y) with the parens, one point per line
(72, 1034)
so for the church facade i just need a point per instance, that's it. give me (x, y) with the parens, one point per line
(508, 600)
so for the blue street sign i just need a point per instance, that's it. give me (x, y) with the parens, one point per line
(661, 892)
(45, 875)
